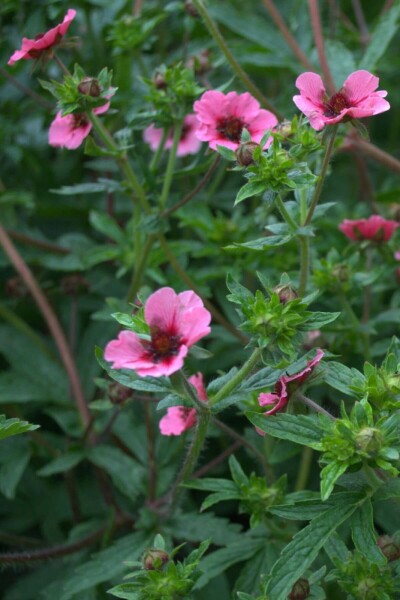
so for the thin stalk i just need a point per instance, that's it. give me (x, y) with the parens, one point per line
(203, 419)
(60, 63)
(322, 175)
(304, 242)
(313, 405)
(52, 322)
(157, 154)
(285, 215)
(304, 469)
(376, 153)
(319, 42)
(287, 35)
(184, 388)
(241, 74)
(215, 461)
(171, 164)
(361, 22)
(140, 267)
(269, 474)
(30, 241)
(238, 378)
(196, 189)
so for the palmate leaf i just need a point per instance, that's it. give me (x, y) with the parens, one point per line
(9, 427)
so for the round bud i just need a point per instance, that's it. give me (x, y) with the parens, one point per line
(191, 9)
(159, 81)
(89, 86)
(284, 128)
(300, 590)
(389, 547)
(369, 440)
(154, 559)
(341, 273)
(245, 152)
(286, 293)
(117, 393)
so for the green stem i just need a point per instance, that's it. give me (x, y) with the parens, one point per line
(238, 378)
(157, 154)
(285, 215)
(218, 38)
(322, 175)
(137, 278)
(304, 263)
(203, 419)
(304, 470)
(171, 164)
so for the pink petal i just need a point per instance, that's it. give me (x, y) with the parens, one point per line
(208, 108)
(64, 134)
(161, 310)
(194, 324)
(152, 135)
(99, 110)
(266, 399)
(359, 85)
(241, 105)
(313, 112)
(177, 420)
(311, 86)
(198, 383)
(125, 352)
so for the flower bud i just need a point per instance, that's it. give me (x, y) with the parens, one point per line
(286, 293)
(117, 393)
(341, 273)
(15, 287)
(389, 547)
(300, 590)
(369, 440)
(154, 559)
(191, 9)
(159, 81)
(200, 63)
(284, 128)
(244, 154)
(89, 86)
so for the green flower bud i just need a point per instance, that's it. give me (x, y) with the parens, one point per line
(341, 273)
(369, 440)
(300, 590)
(285, 293)
(89, 86)
(244, 154)
(154, 559)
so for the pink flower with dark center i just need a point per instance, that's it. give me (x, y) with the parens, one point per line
(375, 228)
(181, 418)
(188, 144)
(285, 386)
(33, 49)
(224, 116)
(176, 322)
(70, 131)
(357, 99)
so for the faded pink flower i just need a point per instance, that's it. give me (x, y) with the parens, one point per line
(70, 131)
(374, 228)
(285, 386)
(181, 418)
(188, 144)
(224, 116)
(355, 100)
(33, 49)
(176, 322)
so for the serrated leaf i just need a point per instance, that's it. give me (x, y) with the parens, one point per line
(341, 377)
(305, 430)
(193, 527)
(329, 475)
(9, 427)
(238, 475)
(106, 225)
(62, 463)
(319, 319)
(363, 534)
(219, 497)
(252, 188)
(269, 241)
(15, 455)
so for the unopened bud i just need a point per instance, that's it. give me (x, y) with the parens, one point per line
(200, 63)
(245, 153)
(369, 440)
(117, 393)
(191, 9)
(284, 128)
(300, 590)
(89, 86)
(71, 285)
(389, 547)
(159, 81)
(286, 293)
(341, 273)
(154, 559)
(15, 287)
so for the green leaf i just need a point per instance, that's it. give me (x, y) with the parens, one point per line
(319, 319)
(381, 37)
(9, 427)
(252, 188)
(211, 484)
(62, 463)
(238, 475)
(126, 473)
(219, 497)
(262, 243)
(126, 591)
(226, 153)
(341, 377)
(106, 225)
(363, 533)
(15, 455)
(305, 430)
(390, 489)
(336, 549)
(329, 475)
(301, 552)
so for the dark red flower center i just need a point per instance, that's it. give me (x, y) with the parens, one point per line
(335, 105)
(231, 128)
(163, 345)
(79, 121)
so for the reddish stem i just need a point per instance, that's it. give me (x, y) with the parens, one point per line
(217, 460)
(361, 22)
(287, 35)
(26, 239)
(52, 322)
(374, 152)
(319, 42)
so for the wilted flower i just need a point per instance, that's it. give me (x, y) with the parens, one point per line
(357, 99)
(70, 131)
(176, 322)
(224, 116)
(188, 143)
(374, 228)
(181, 418)
(280, 396)
(33, 49)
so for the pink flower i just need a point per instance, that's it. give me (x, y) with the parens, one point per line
(32, 49)
(188, 144)
(176, 322)
(355, 100)
(374, 228)
(397, 255)
(224, 116)
(181, 418)
(283, 390)
(70, 131)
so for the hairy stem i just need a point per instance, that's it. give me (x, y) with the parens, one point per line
(217, 460)
(170, 165)
(285, 215)
(238, 378)
(313, 405)
(241, 74)
(322, 175)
